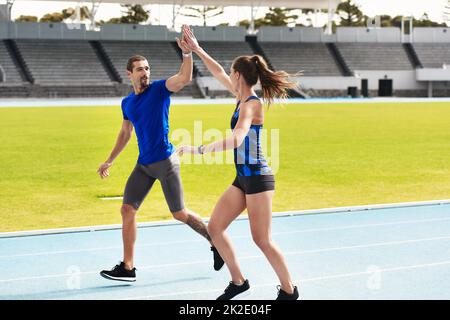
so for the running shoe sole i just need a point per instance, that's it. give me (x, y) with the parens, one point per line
(117, 279)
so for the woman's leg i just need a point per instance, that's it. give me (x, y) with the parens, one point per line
(259, 207)
(228, 208)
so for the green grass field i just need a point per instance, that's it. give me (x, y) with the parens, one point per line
(330, 155)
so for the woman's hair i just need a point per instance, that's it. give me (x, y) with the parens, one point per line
(274, 84)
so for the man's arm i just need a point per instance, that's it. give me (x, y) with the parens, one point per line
(184, 76)
(121, 141)
(177, 82)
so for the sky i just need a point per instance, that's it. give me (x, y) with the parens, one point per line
(162, 14)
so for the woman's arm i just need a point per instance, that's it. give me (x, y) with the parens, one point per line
(213, 66)
(241, 130)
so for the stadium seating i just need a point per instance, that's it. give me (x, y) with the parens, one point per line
(63, 62)
(12, 76)
(433, 55)
(161, 55)
(375, 56)
(313, 58)
(50, 63)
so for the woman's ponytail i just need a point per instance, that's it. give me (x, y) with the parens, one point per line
(274, 84)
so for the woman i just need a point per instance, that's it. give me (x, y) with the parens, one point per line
(254, 185)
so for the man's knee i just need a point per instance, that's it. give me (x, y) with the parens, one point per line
(181, 215)
(127, 211)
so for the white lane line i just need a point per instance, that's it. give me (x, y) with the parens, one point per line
(159, 244)
(326, 277)
(297, 213)
(290, 253)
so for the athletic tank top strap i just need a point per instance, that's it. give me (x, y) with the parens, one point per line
(248, 99)
(252, 98)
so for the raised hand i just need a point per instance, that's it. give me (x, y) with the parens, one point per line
(190, 39)
(182, 43)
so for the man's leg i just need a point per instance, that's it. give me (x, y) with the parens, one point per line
(172, 187)
(129, 231)
(193, 220)
(173, 192)
(138, 185)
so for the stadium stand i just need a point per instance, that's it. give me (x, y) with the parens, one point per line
(63, 62)
(313, 58)
(49, 60)
(375, 56)
(12, 75)
(433, 55)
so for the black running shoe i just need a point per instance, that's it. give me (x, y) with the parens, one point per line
(218, 261)
(120, 273)
(233, 290)
(283, 295)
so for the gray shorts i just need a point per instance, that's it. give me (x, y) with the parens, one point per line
(143, 176)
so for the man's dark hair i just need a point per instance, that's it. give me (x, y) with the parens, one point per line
(132, 59)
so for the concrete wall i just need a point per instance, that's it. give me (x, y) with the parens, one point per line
(126, 32)
(402, 80)
(220, 33)
(329, 83)
(130, 32)
(428, 74)
(431, 35)
(350, 34)
(298, 34)
(344, 34)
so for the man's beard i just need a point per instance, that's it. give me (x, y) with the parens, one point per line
(144, 82)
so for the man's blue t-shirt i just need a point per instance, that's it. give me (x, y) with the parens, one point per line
(149, 113)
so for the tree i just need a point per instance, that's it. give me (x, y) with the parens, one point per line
(202, 12)
(258, 23)
(279, 17)
(426, 22)
(85, 13)
(350, 14)
(423, 22)
(275, 17)
(64, 15)
(134, 14)
(52, 17)
(23, 18)
(386, 20)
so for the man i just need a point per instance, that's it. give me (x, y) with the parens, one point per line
(147, 111)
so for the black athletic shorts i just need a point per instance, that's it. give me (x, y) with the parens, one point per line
(143, 176)
(255, 184)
